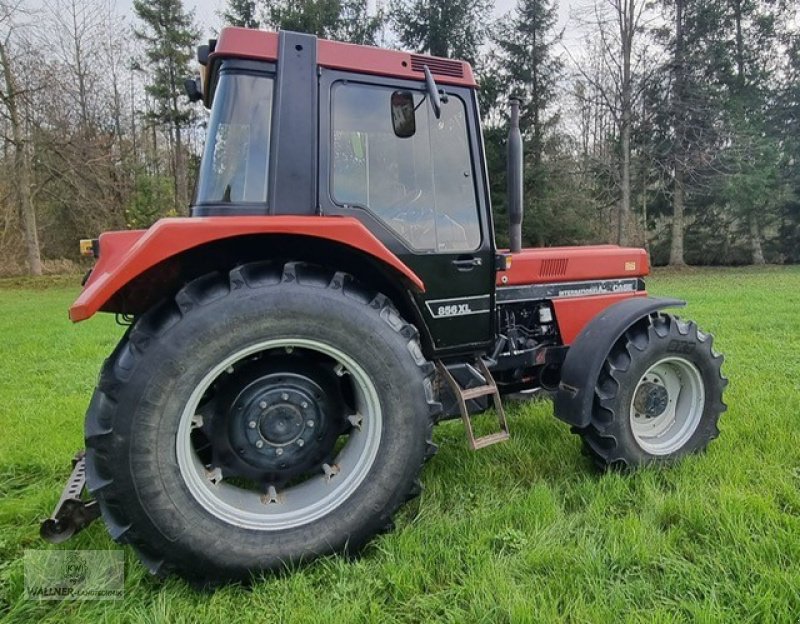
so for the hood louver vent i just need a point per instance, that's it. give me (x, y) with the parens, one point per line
(553, 267)
(443, 67)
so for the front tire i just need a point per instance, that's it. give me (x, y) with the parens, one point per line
(658, 396)
(258, 421)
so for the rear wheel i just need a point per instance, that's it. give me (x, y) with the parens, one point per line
(259, 421)
(658, 397)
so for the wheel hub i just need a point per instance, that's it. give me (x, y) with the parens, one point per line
(217, 475)
(651, 399)
(281, 424)
(278, 424)
(667, 405)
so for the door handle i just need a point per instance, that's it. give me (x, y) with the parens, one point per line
(466, 263)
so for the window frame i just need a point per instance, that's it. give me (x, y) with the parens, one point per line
(392, 239)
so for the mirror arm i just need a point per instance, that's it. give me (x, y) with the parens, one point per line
(433, 92)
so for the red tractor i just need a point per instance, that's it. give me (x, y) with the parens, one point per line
(335, 293)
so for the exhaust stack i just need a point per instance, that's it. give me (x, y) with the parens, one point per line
(514, 178)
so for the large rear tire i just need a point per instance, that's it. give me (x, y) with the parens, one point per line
(658, 396)
(259, 420)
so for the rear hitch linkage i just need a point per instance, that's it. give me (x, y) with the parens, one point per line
(73, 513)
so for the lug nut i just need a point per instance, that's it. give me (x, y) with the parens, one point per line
(279, 451)
(310, 424)
(304, 405)
(263, 405)
(284, 397)
(300, 442)
(259, 444)
(252, 424)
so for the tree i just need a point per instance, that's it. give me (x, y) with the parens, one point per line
(450, 28)
(241, 13)
(530, 71)
(12, 96)
(750, 83)
(619, 24)
(751, 153)
(356, 25)
(343, 20)
(788, 120)
(678, 111)
(169, 35)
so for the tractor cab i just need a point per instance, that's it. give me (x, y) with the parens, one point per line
(305, 126)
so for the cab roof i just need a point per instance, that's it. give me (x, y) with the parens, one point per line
(262, 45)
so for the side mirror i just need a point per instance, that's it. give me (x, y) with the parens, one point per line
(203, 52)
(193, 90)
(404, 120)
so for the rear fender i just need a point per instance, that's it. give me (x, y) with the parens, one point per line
(584, 361)
(125, 256)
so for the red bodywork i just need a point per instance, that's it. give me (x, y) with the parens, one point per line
(262, 45)
(126, 255)
(573, 264)
(576, 264)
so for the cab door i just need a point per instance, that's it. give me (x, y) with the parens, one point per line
(422, 192)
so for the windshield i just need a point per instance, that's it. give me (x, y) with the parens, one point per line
(236, 156)
(422, 186)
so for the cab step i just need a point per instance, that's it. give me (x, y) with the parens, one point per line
(466, 394)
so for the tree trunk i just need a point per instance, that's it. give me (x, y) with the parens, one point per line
(80, 72)
(623, 216)
(737, 16)
(678, 197)
(181, 195)
(755, 239)
(22, 168)
(28, 212)
(626, 30)
(678, 113)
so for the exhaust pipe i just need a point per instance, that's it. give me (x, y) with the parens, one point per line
(514, 178)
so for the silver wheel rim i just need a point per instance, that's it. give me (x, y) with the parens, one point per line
(676, 384)
(298, 504)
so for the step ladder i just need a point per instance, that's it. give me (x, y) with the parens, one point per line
(466, 394)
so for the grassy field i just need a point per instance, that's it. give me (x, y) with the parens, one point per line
(521, 532)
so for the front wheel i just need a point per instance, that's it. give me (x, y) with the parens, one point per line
(658, 396)
(257, 421)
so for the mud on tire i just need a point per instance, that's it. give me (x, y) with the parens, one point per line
(134, 417)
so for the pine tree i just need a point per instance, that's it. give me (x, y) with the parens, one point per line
(529, 71)
(241, 13)
(343, 20)
(753, 187)
(452, 28)
(688, 124)
(356, 25)
(169, 35)
(789, 121)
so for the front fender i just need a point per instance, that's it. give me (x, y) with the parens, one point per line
(126, 255)
(584, 361)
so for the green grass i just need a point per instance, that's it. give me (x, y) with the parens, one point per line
(521, 532)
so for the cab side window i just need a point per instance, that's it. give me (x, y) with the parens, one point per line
(421, 186)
